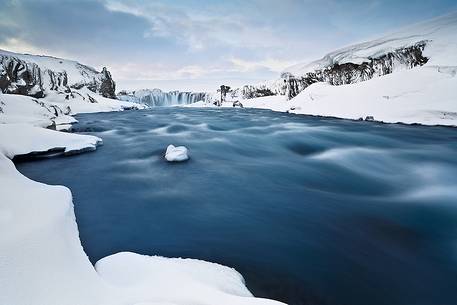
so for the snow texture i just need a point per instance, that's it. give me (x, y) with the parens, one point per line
(176, 154)
(42, 261)
(439, 33)
(36, 75)
(424, 94)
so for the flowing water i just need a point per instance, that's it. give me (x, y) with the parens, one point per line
(309, 210)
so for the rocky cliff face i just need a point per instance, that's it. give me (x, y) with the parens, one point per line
(98, 82)
(25, 77)
(340, 74)
(157, 97)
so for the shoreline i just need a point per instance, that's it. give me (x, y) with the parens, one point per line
(320, 116)
(44, 243)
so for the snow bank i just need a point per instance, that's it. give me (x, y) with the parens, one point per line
(55, 108)
(176, 154)
(176, 280)
(24, 109)
(424, 95)
(42, 261)
(41, 258)
(85, 101)
(20, 139)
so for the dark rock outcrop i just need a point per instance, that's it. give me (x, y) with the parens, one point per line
(107, 86)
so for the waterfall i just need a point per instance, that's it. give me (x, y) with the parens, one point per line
(159, 98)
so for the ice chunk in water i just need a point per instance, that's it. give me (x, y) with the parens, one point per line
(176, 154)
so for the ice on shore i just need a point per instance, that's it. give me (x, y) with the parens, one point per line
(42, 260)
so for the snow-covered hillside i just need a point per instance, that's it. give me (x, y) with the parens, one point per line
(438, 36)
(408, 76)
(36, 75)
(44, 90)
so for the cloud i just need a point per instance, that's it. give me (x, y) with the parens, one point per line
(200, 29)
(16, 45)
(67, 28)
(199, 39)
(274, 65)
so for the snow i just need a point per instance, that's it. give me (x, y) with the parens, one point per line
(20, 139)
(176, 154)
(76, 72)
(42, 112)
(199, 282)
(24, 109)
(438, 32)
(425, 95)
(80, 102)
(41, 257)
(42, 261)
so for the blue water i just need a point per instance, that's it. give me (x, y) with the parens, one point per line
(309, 210)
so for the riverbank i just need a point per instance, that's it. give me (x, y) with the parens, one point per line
(41, 257)
(423, 95)
(295, 203)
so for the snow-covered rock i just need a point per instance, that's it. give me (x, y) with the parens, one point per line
(21, 139)
(60, 87)
(35, 76)
(157, 97)
(175, 280)
(55, 110)
(339, 73)
(25, 109)
(176, 153)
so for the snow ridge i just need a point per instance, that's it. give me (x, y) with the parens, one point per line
(37, 75)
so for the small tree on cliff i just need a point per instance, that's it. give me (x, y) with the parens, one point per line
(224, 90)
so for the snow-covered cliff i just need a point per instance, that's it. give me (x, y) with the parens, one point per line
(47, 89)
(432, 42)
(408, 76)
(157, 97)
(339, 72)
(35, 76)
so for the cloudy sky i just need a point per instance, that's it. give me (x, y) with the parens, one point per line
(199, 43)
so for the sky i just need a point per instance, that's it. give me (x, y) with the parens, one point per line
(198, 44)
